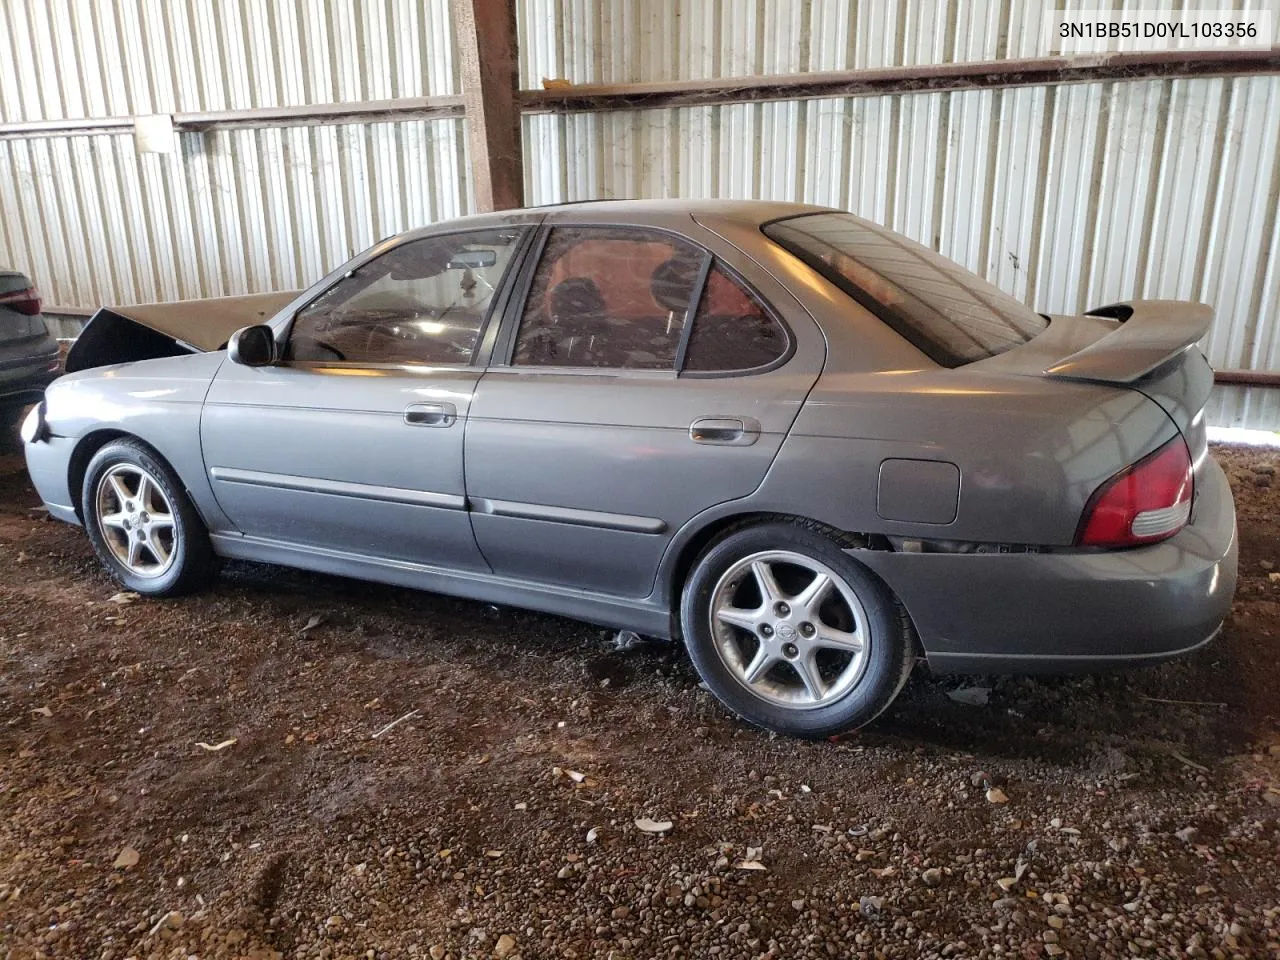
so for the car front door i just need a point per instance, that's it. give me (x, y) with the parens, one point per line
(640, 380)
(353, 441)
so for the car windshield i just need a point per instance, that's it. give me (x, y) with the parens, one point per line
(950, 314)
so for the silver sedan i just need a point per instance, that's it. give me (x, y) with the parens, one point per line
(803, 445)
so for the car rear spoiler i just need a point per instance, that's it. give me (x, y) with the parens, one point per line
(150, 330)
(1151, 332)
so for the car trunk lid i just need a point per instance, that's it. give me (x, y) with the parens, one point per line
(151, 330)
(1144, 345)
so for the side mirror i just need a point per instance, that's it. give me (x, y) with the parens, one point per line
(253, 346)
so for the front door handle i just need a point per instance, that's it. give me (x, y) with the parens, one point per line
(724, 431)
(430, 414)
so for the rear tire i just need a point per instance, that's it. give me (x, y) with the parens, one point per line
(141, 523)
(792, 634)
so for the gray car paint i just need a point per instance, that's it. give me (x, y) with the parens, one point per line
(588, 496)
(326, 456)
(623, 444)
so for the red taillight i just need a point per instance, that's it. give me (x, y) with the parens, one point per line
(1146, 502)
(24, 301)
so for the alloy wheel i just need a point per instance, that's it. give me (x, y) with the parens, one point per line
(136, 520)
(790, 629)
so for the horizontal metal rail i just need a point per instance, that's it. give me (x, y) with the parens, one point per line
(319, 114)
(924, 78)
(1248, 378)
(591, 98)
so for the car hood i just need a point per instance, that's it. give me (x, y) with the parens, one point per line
(151, 330)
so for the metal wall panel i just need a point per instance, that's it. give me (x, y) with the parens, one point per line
(1067, 197)
(71, 59)
(231, 211)
(630, 41)
(1253, 408)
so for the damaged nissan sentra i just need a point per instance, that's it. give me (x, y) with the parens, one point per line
(809, 448)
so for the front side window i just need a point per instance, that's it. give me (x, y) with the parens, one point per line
(612, 297)
(424, 302)
(948, 313)
(732, 330)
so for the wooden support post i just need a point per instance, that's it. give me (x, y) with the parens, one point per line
(488, 53)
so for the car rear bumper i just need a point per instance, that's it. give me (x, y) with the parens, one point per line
(26, 368)
(26, 387)
(48, 464)
(1071, 612)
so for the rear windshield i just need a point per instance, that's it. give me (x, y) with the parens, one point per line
(950, 314)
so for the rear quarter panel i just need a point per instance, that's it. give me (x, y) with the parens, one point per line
(1030, 452)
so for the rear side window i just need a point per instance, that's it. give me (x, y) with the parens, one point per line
(732, 330)
(951, 315)
(612, 297)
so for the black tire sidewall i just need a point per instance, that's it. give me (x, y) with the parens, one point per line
(888, 657)
(193, 555)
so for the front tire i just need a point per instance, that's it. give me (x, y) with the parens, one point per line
(792, 634)
(141, 523)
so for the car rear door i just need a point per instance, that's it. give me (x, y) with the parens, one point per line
(353, 441)
(640, 377)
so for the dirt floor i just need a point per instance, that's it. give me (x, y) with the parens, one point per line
(1123, 815)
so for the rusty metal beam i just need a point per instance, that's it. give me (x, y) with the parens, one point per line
(922, 78)
(1164, 64)
(1248, 378)
(488, 53)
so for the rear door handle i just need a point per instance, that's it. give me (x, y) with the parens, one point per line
(430, 414)
(725, 431)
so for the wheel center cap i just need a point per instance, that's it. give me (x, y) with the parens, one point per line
(787, 633)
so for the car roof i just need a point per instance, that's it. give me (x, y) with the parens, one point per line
(757, 211)
(670, 213)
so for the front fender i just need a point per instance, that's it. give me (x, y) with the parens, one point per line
(158, 401)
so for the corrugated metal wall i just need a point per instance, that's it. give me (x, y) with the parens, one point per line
(627, 41)
(69, 59)
(230, 211)
(1066, 196)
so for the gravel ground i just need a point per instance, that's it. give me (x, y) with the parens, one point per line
(1114, 816)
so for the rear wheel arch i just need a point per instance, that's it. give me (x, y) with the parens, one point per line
(701, 540)
(752, 652)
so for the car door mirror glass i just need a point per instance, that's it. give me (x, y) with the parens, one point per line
(253, 346)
